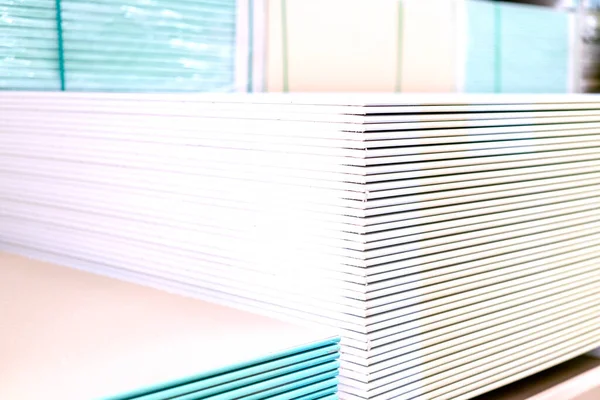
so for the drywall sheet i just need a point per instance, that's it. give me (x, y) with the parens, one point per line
(334, 45)
(428, 29)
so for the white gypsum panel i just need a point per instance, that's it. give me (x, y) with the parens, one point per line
(408, 215)
(389, 219)
(173, 129)
(411, 294)
(32, 235)
(221, 155)
(342, 129)
(440, 377)
(425, 165)
(281, 113)
(272, 309)
(455, 318)
(111, 141)
(53, 216)
(329, 286)
(426, 307)
(429, 262)
(324, 99)
(389, 154)
(415, 308)
(450, 336)
(329, 160)
(446, 184)
(218, 185)
(488, 298)
(455, 315)
(163, 235)
(540, 357)
(419, 352)
(429, 369)
(99, 215)
(456, 322)
(415, 230)
(377, 110)
(494, 336)
(421, 248)
(288, 277)
(135, 205)
(375, 258)
(422, 278)
(426, 217)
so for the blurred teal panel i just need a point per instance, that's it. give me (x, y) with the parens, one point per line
(119, 45)
(480, 62)
(535, 49)
(28, 45)
(149, 45)
(515, 48)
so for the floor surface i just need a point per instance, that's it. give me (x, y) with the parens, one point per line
(556, 383)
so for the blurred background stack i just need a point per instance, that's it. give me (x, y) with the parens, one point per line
(473, 46)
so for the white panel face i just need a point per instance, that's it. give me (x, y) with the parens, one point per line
(451, 239)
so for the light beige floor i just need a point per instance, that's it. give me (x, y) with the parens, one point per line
(593, 394)
(572, 380)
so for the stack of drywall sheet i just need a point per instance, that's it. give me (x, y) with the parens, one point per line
(453, 239)
(69, 334)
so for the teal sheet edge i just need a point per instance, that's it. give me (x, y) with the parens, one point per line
(276, 386)
(328, 393)
(248, 376)
(207, 374)
(308, 390)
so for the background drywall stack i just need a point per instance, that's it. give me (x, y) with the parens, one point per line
(357, 46)
(264, 45)
(453, 239)
(416, 46)
(69, 334)
(518, 48)
(113, 45)
(140, 46)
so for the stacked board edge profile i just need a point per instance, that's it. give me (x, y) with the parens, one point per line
(452, 238)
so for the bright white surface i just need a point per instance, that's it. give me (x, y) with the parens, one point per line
(67, 334)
